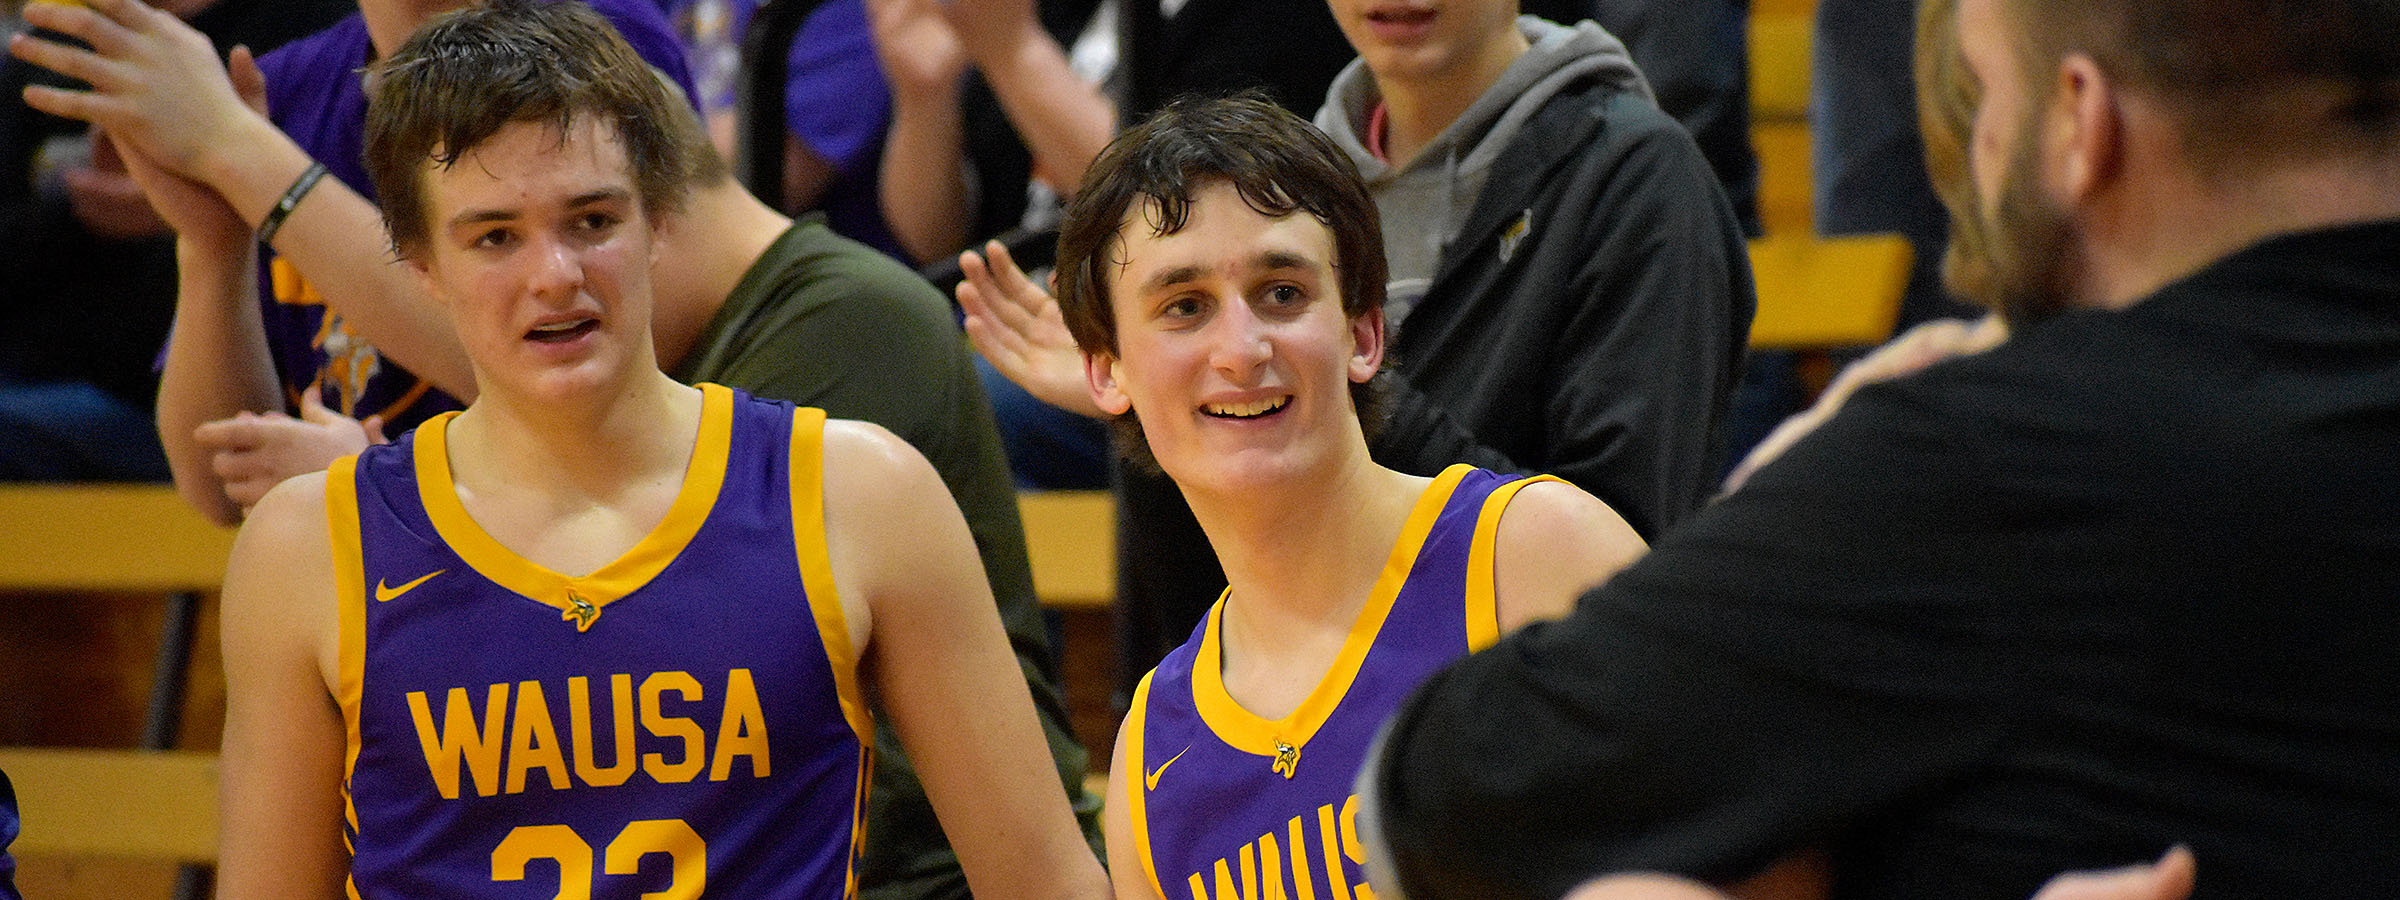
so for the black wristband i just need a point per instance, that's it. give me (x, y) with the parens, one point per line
(291, 198)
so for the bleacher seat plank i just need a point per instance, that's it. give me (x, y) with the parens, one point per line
(135, 804)
(107, 537)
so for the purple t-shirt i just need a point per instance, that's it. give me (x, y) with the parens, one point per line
(837, 103)
(315, 95)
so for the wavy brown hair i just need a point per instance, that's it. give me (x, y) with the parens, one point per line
(467, 74)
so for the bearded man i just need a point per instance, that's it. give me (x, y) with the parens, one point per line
(2122, 582)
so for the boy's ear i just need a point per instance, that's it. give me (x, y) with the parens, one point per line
(414, 264)
(1100, 371)
(1366, 350)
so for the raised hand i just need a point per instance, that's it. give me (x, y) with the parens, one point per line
(921, 54)
(155, 83)
(1017, 326)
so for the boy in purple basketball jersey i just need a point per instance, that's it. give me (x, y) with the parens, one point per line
(1221, 270)
(600, 634)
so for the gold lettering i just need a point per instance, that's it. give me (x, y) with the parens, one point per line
(533, 741)
(579, 712)
(743, 729)
(1301, 889)
(459, 738)
(1270, 862)
(1225, 889)
(665, 726)
(1337, 884)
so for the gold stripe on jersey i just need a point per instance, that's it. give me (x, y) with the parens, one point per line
(1246, 731)
(858, 820)
(816, 566)
(350, 616)
(702, 478)
(1137, 803)
(1483, 577)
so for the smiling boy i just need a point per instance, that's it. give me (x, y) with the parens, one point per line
(1221, 270)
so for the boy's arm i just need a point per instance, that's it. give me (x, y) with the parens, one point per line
(923, 183)
(1556, 542)
(1116, 820)
(281, 777)
(943, 670)
(217, 364)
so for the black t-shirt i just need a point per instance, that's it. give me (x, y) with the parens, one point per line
(2130, 580)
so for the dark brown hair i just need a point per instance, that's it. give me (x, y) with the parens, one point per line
(2248, 81)
(467, 74)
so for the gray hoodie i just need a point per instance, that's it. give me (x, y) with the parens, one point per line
(1424, 204)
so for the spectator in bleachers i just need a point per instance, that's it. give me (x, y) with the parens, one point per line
(329, 315)
(87, 271)
(8, 835)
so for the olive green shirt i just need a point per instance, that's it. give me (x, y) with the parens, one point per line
(821, 320)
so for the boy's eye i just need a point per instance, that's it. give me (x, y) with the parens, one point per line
(494, 238)
(1181, 308)
(1285, 295)
(597, 221)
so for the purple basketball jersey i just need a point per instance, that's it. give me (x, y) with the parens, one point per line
(683, 722)
(1226, 804)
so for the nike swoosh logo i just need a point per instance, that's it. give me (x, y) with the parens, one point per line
(384, 593)
(1150, 780)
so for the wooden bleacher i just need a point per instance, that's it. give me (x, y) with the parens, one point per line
(1814, 292)
(122, 804)
(145, 803)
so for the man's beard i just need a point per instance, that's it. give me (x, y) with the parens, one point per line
(2033, 252)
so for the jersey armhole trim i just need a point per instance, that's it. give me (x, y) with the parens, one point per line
(807, 467)
(1137, 810)
(350, 614)
(1483, 576)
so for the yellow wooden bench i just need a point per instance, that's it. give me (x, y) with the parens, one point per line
(1818, 292)
(1071, 537)
(149, 804)
(107, 537)
(132, 804)
(1814, 291)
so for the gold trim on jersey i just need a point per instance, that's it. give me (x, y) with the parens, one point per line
(1483, 577)
(816, 567)
(580, 598)
(858, 820)
(1246, 731)
(1137, 802)
(350, 616)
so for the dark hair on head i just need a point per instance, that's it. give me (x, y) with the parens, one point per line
(2249, 81)
(1279, 164)
(468, 74)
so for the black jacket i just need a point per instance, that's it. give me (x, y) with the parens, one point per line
(1588, 320)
